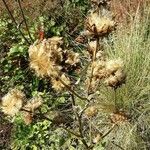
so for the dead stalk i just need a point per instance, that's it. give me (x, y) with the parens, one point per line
(72, 91)
(79, 119)
(93, 59)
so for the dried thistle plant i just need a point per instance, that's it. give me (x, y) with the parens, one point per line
(48, 59)
(97, 113)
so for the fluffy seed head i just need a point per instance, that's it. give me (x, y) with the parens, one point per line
(12, 102)
(114, 65)
(45, 56)
(91, 111)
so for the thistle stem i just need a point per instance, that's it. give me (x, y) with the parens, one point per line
(115, 99)
(93, 59)
(71, 132)
(72, 91)
(79, 119)
(104, 135)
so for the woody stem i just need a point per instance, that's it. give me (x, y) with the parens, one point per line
(71, 90)
(93, 59)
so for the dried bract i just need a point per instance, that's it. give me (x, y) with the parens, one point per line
(92, 46)
(29, 109)
(27, 117)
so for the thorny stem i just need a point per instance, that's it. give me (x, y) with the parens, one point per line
(118, 145)
(104, 135)
(79, 118)
(93, 59)
(72, 91)
(81, 132)
(82, 74)
(71, 132)
(13, 19)
(83, 110)
(25, 20)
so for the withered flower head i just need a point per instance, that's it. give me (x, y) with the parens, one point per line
(92, 45)
(27, 117)
(33, 104)
(114, 65)
(12, 102)
(111, 81)
(118, 118)
(99, 25)
(45, 55)
(29, 109)
(72, 58)
(116, 80)
(57, 84)
(91, 111)
(99, 70)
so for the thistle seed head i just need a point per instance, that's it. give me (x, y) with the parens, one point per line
(12, 102)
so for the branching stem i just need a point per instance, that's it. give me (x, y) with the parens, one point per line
(79, 119)
(72, 91)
